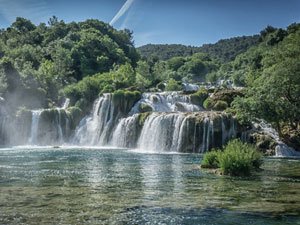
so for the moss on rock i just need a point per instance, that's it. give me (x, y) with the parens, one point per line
(199, 97)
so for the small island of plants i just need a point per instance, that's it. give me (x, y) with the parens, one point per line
(236, 159)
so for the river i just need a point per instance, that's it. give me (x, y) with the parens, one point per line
(76, 185)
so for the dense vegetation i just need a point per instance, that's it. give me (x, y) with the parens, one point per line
(39, 61)
(271, 73)
(224, 50)
(237, 159)
(42, 64)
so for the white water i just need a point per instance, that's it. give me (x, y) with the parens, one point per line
(94, 129)
(166, 102)
(34, 126)
(66, 103)
(165, 130)
(126, 132)
(179, 132)
(190, 87)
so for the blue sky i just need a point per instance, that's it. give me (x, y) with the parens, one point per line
(190, 22)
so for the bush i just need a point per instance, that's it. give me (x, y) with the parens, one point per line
(210, 160)
(220, 105)
(208, 103)
(173, 85)
(237, 159)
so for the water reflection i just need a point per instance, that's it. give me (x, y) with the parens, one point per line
(78, 186)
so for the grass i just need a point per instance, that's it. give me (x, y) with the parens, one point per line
(237, 159)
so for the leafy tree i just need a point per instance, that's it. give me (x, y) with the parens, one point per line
(23, 25)
(274, 93)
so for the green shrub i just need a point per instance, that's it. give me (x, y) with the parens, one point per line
(199, 97)
(208, 103)
(173, 85)
(237, 159)
(210, 160)
(220, 105)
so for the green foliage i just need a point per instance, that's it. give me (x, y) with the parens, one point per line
(273, 91)
(124, 100)
(144, 78)
(199, 97)
(173, 85)
(210, 160)
(220, 105)
(208, 103)
(51, 57)
(224, 50)
(237, 159)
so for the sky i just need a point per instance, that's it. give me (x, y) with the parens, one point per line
(189, 22)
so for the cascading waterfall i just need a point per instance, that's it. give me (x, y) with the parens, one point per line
(181, 132)
(157, 133)
(126, 132)
(34, 126)
(59, 128)
(174, 124)
(66, 103)
(165, 102)
(95, 129)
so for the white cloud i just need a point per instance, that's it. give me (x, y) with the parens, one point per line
(122, 11)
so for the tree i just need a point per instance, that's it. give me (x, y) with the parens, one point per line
(274, 95)
(23, 25)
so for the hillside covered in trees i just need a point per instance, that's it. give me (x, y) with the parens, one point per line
(224, 50)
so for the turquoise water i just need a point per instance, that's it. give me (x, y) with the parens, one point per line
(115, 186)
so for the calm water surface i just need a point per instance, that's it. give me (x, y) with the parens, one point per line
(114, 186)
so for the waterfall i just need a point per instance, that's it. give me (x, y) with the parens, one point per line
(66, 103)
(95, 129)
(184, 132)
(165, 102)
(190, 87)
(59, 129)
(157, 132)
(49, 127)
(174, 124)
(206, 134)
(126, 132)
(34, 126)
